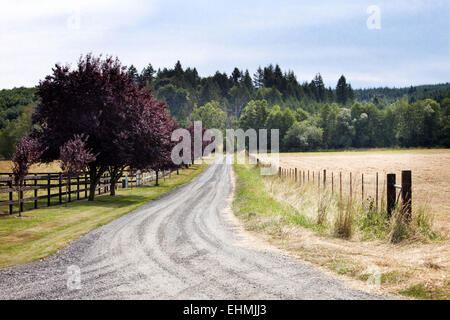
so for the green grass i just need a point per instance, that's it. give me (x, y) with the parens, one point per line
(253, 202)
(424, 292)
(42, 232)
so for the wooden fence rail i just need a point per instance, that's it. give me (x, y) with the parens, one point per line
(41, 186)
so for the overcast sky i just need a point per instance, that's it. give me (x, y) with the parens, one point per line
(407, 45)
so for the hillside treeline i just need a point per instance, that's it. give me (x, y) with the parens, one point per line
(309, 115)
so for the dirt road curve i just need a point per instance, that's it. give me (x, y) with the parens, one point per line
(183, 246)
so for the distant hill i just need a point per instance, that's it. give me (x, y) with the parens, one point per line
(16, 107)
(411, 94)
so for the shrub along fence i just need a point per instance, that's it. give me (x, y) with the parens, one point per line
(45, 189)
(353, 185)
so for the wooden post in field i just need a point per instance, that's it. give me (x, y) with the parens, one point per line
(406, 194)
(35, 191)
(304, 176)
(308, 175)
(390, 193)
(49, 182)
(295, 174)
(376, 192)
(10, 186)
(324, 178)
(340, 185)
(279, 172)
(313, 177)
(60, 187)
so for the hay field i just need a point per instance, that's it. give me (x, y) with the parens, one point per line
(430, 173)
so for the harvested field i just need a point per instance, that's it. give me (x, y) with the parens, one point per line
(6, 166)
(430, 174)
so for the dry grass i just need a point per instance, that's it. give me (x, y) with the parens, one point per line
(430, 174)
(349, 238)
(6, 167)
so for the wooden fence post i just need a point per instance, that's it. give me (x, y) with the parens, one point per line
(69, 189)
(49, 181)
(78, 187)
(324, 179)
(390, 193)
(10, 186)
(279, 172)
(21, 197)
(340, 185)
(406, 194)
(85, 185)
(295, 174)
(60, 187)
(35, 191)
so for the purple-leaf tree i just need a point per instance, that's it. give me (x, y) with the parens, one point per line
(75, 157)
(28, 151)
(94, 99)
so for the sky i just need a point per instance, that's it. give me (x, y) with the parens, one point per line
(373, 43)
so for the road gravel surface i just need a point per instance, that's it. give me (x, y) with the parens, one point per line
(185, 245)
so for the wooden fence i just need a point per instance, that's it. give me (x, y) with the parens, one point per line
(335, 183)
(45, 189)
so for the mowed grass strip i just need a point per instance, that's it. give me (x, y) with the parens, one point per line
(259, 210)
(43, 232)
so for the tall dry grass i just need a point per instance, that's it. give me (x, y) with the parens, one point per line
(349, 216)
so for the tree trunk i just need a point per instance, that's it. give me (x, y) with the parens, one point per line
(115, 174)
(94, 176)
(112, 192)
(157, 179)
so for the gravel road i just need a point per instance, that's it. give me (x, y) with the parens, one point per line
(186, 245)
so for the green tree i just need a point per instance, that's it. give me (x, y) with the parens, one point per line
(211, 115)
(254, 115)
(303, 136)
(344, 91)
(280, 119)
